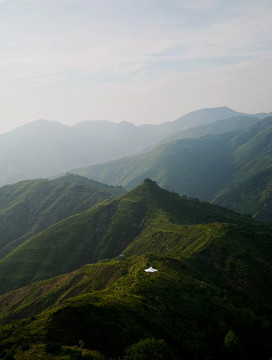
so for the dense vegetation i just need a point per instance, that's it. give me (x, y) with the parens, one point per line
(209, 299)
(107, 230)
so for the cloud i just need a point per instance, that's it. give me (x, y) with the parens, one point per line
(140, 61)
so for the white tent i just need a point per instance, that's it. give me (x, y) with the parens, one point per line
(150, 270)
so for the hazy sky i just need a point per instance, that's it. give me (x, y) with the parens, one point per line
(143, 61)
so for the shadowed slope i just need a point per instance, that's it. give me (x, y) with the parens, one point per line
(30, 206)
(208, 168)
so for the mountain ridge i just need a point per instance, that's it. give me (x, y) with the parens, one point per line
(204, 167)
(42, 149)
(105, 231)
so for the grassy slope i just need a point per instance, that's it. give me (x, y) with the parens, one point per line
(76, 179)
(213, 277)
(105, 231)
(114, 304)
(28, 207)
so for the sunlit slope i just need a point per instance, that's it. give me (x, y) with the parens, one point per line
(114, 304)
(107, 230)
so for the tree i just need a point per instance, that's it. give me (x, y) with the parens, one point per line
(231, 340)
(148, 349)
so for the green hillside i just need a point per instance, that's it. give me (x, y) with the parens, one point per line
(110, 306)
(208, 168)
(250, 190)
(77, 179)
(28, 207)
(253, 196)
(107, 230)
(254, 155)
(210, 298)
(195, 167)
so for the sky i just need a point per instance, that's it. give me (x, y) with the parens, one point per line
(142, 61)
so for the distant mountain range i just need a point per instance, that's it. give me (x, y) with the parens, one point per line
(209, 298)
(231, 168)
(44, 149)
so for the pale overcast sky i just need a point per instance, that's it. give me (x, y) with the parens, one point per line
(143, 61)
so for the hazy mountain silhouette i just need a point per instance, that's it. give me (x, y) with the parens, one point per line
(44, 149)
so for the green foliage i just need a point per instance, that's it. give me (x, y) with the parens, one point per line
(148, 349)
(212, 277)
(81, 344)
(231, 340)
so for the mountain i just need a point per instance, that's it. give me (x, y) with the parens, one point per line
(30, 206)
(81, 180)
(195, 167)
(252, 195)
(210, 298)
(191, 120)
(106, 231)
(250, 190)
(207, 167)
(216, 127)
(42, 149)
